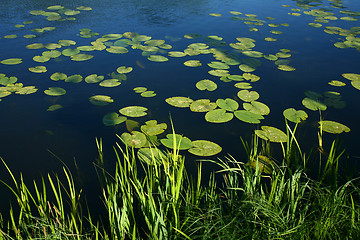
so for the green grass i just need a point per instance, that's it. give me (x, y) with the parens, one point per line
(263, 196)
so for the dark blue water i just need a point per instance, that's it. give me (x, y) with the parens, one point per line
(28, 132)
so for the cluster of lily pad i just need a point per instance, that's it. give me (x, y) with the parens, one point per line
(10, 85)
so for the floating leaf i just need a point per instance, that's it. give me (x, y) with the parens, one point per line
(7, 80)
(206, 84)
(251, 77)
(11, 61)
(254, 54)
(76, 78)
(202, 105)
(181, 102)
(218, 65)
(38, 69)
(135, 139)
(52, 46)
(218, 116)
(192, 36)
(41, 59)
(148, 94)
(54, 107)
(157, 58)
(356, 84)
(152, 128)
(133, 111)
(313, 104)
(100, 100)
(55, 91)
(52, 54)
(66, 43)
(110, 83)
(94, 78)
(246, 68)
(243, 85)
(248, 96)
(248, 117)
(333, 127)
(204, 148)
(81, 57)
(140, 89)
(124, 69)
(272, 134)
(70, 12)
(82, 8)
(112, 119)
(176, 54)
(227, 104)
(286, 68)
(351, 76)
(257, 108)
(192, 63)
(26, 90)
(295, 116)
(219, 72)
(180, 142)
(336, 83)
(70, 52)
(117, 49)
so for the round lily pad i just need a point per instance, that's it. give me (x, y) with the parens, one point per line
(176, 54)
(70, 12)
(218, 116)
(112, 119)
(333, 127)
(157, 58)
(26, 90)
(81, 57)
(336, 83)
(243, 85)
(55, 91)
(140, 89)
(35, 46)
(58, 76)
(351, 76)
(254, 54)
(117, 49)
(248, 117)
(134, 111)
(110, 83)
(76, 78)
(286, 68)
(356, 84)
(218, 65)
(100, 100)
(124, 69)
(192, 63)
(70, 52)
(148, 94)
(41, 59)
(38, 69)
(313, 104)
(94, 78)
(204, 148)
(257, 108)
(152, 128)
(219, 72)
(295, 116)
(272, 134)
(227, 104)
(135, 139)
(251, 77)
(52, 54)
(202, 105)
(181, 102)
(11, 61)
(248, 96)
(206, 84)
(176, 141)
(54, 107)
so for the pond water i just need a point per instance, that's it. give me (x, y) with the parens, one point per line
(315, 41)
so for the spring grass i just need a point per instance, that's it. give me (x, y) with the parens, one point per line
(275, 198)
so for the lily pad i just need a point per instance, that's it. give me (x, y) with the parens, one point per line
(227, 104)
(134, 139)
(243, 85)
(272, 134)
(248, 96)
(124, 69)
(176, 54)
(351, 76)
(11, 61)
(218, 116)
(134, 111)
(257, 108)
(41, 59)
(336, 83)
(206, 84)
(140, 89)
(295, 116)
(176, 141)
(55, 91)
(70, 52)
(54, 107)
(76, 78)
(117, 49)
(204, 148)
(26, 90)
(94, 78)
(356, 84)
(286, 68)
(100, 100)
(218, 65)
(110, 83)
(35, 46)
(148, 94)
(81, 57)
(248, 117)
(112, 119)
(219, 72)
(192, 63)
(251, 77)
(152, 128)
(254, 54)
(246, 68)
(202, 105)
(333, 127)
(157, 58)
(38, 69)
(52, 54)
(313, 104)
(182, 102)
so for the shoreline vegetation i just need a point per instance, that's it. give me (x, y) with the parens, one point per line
(153, 197)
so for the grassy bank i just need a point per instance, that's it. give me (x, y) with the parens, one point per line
(152, 197)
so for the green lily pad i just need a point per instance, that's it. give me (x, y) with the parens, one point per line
(55, 7)
(112, 119)
(4, 94)
(140, 89)
(236, 78)
(52, 54)
(35, 46)
(81, 57)
(86, 48)
(333, 127)
(55, 91)
(182, 102)
(141, 38)
(271, 57)
(11, 61)
(76, 78)
(66, 43)
(246, 68)
(54, 107)
(202, 105)
(295, 116)
(135, 139)
(152, 128)
(71, 12)
(248, 117)
(254, 54)
(336, 83)
(286, 68)
(117, 49)
(206, 84)
(257, 108)
(83, 8)
(272, 134)
(248, 96)
(124, 69)
(218, 116)
(176, 54)
(204, 148)
(7, 80)
(11, 87)
(134, 111)
(243, 85)
(313, 104)
(351, 76)
(26, 90)
(192, 63)
(94, 78)
(219, 72)
(157, 58)
(192, 36)
(356, 84)
(30, 36)
(251, 77)
(110, 83)
(148, 94)
(52, 46)
(227, 104)
(70, 52)
(176, 141)
(218, 65)
(41, 59)
(38, 69)
(100, 100)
